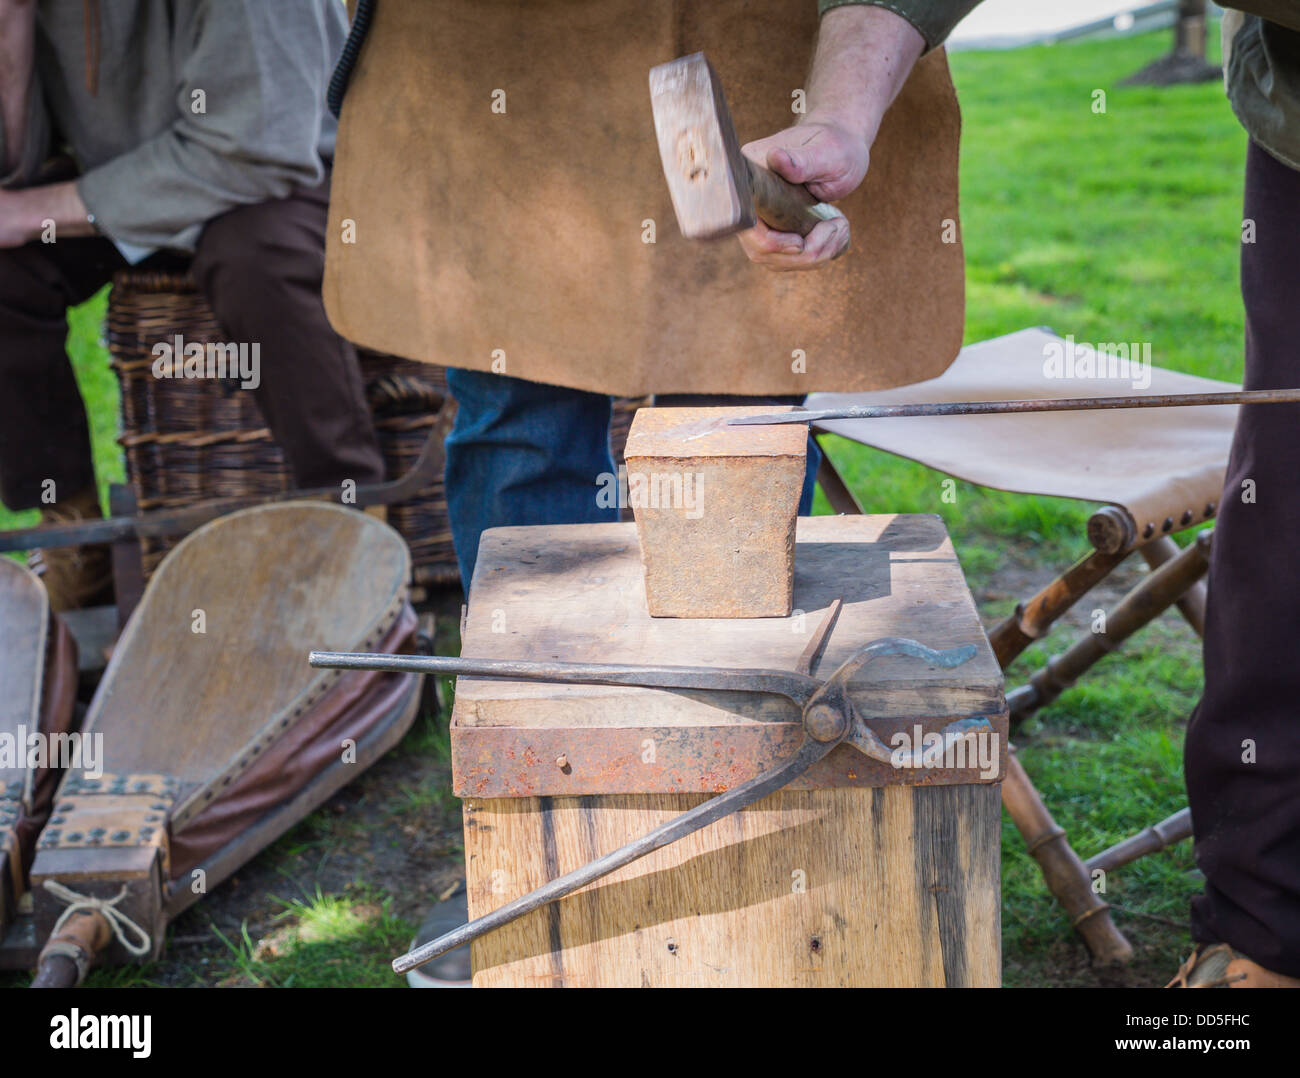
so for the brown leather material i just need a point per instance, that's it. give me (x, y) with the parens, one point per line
(38, 681)
(75, 577)
(58, 716)
(209, 694)
(1163, 464)
(475, 235)
(1217, 965)
(351, 708)
(1253, 975)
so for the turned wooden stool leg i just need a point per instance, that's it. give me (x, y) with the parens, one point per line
(837, 492)
(1158, 836)
(1176, 577)
(1167, 584)
(1192, 602)
(1066, 876)
(1032, 620)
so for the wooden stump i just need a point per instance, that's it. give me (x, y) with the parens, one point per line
(856, 875)
(894, 887)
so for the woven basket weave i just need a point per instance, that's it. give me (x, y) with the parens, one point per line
(195, 439)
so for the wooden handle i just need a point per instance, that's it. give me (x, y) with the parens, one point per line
(68, 955)
(782, 205)
(1064, 873)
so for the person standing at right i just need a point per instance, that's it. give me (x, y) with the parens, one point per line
(1242, 753)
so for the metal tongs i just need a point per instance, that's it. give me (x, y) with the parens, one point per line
(829, 718)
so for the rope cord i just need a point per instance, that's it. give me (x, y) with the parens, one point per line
(118, 921)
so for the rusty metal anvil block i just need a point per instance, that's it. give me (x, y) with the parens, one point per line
(715, 509)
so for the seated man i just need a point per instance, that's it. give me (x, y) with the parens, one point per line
(199, 134)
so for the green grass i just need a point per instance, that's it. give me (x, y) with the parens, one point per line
(1112, 227)
(330, 941)
(98, 385)
(1119, 226)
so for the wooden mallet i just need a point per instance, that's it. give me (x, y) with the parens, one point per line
(716, 189)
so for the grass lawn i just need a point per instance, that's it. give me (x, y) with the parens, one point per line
(1115, 226)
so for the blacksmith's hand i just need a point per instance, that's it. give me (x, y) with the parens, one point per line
(831, 161)
(864, 55)
(48, 212)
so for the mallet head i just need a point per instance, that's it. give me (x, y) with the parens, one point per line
(707, 175)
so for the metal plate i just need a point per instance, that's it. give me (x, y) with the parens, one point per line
(501, 761)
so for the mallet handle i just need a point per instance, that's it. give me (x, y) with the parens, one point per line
(785, 206)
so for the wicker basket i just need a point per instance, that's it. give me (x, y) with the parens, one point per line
(191, 440)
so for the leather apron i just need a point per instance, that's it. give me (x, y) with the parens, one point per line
(497, 185)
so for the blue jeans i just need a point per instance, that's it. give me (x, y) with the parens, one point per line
(526, 453)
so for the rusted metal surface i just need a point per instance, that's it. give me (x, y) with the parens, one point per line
(1057, 404)
(68, 955)
(426, 470)
(503, 761)
(811, 656)
(508, 761)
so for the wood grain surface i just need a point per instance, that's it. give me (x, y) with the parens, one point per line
(576, 593)
(269, 584)
(845, 886)
(24, 625)
(897, 887)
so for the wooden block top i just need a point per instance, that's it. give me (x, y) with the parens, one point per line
(576, 593)
(676, 433)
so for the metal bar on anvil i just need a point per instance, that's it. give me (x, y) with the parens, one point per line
(1057, 404)
(796, 687)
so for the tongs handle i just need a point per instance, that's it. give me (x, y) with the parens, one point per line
(795, 686)
(808, 753)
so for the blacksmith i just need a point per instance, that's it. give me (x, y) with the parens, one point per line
(1245, 808)
(198, 135)
(580, 311)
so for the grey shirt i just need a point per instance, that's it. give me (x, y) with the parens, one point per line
(179, 110)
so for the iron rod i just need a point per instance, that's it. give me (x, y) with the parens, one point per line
(795, 686)
(808, 753)
(1059, 404)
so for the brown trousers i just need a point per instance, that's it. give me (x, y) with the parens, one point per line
(260, 267)
(1242, 754)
